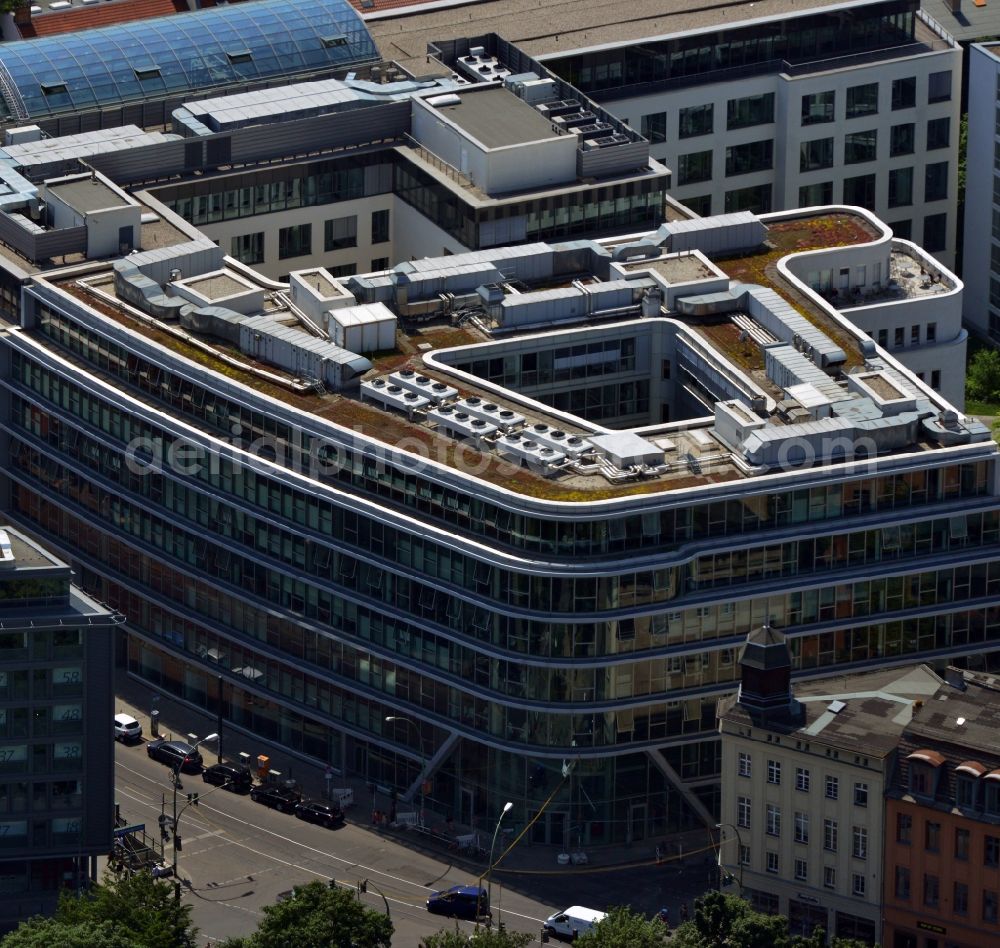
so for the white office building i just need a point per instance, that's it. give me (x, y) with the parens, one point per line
(853, 103)
(981, 254)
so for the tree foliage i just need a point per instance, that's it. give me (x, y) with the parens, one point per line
(485, 938)
(142, 911)
(623, 928)
(725, 921)
(45, 932)
(982, 376)
(319, 917)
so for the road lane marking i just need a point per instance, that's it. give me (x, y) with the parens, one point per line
(347, 863)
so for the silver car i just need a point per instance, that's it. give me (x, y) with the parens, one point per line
(127, 728)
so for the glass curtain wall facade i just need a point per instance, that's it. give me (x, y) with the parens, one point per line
(55, 734)
(761, 47)
(333, 583)
(616, 208)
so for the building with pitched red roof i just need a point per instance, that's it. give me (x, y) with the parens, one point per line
(942, 846)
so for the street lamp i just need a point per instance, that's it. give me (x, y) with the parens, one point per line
(420, 735)
(739, 855)
(364, 886)
(507, 807)
(177, 816)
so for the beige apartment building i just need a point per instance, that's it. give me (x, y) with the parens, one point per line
(803, 779)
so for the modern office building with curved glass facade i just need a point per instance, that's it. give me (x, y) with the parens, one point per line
(335, 561)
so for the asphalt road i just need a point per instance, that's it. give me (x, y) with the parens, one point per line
(239, 855)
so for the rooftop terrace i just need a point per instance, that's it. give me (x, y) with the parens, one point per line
(763, 389)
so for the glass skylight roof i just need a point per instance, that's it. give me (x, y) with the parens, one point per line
(180, 55)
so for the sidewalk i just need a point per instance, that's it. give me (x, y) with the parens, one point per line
(683, 854)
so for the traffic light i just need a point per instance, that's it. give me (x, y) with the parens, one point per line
(177, 843)
(332, 884)
(363, 886)
(195, 800)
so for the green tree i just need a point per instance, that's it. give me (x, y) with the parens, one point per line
(725, 921)
(818, 940)
(45, 932)
(623, 928)
(319, 917)
(141, 907)
(485, 938)
(982, 376)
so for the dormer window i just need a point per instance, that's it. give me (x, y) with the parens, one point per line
(967, 776)
(965, 792)
(991, 795)
(923, 771)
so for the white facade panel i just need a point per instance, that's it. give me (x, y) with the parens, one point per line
(717, 193)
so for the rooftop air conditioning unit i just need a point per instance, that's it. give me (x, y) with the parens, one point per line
(559, 107)
(608, 141)
(596, 130)
(574, 119)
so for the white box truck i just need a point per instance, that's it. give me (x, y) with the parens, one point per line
(569, 923)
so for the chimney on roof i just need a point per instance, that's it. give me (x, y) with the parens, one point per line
(766, 674)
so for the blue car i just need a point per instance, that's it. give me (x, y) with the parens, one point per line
(460, 901)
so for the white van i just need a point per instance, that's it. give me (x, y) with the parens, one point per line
(569, 923)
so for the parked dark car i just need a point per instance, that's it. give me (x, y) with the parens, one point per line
(326, 814)
(285, 799)
(460, 901)
(173, 753)
(232, 777)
